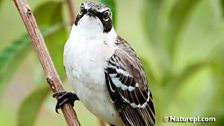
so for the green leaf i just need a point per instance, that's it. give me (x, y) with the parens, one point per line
(29, 108)
(189, 72)
(217, 101)
(215, 60)
(151, 13)
(1, 3)
(55, 36)
(154, 19)
(112, 5)
(179, 15)
(48, 14)
(215, 92)
(11, 57)
(222, 5)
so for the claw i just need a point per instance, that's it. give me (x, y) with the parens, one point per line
(63, 98)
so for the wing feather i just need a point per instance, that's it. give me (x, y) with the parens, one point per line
(128, 87)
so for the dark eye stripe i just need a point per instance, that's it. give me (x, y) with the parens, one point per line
(106, 24)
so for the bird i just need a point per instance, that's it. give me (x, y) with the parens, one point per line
(104, 71)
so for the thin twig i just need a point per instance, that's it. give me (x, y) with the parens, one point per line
(44, 57)
(71, 11)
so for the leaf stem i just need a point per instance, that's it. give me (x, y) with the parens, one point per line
(44, 57)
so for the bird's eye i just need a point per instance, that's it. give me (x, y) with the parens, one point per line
(82, 9)
(106, 15)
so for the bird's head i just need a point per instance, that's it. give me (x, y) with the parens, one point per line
(94, 15)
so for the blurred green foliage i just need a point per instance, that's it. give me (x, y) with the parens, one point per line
(31, 106)
(15, 52)
(180, 43)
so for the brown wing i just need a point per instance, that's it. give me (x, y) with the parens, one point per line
(127, 87)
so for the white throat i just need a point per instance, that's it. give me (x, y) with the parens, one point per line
(91, 28)
(85, 55)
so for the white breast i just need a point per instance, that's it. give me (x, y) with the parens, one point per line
(85, 56)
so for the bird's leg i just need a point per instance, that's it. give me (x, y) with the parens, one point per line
(63, 98)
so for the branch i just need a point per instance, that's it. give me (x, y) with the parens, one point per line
(102, 123)
(44, 57)
(71, 10)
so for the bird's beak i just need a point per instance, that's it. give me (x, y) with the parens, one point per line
(90, 12)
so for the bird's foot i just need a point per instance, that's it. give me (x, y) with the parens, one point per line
(63, 98)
